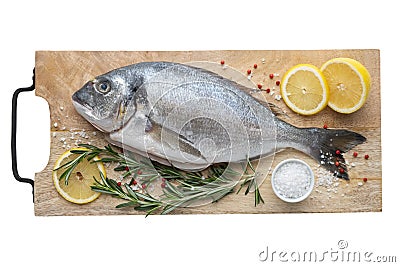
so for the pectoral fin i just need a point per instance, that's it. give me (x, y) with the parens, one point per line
(172, 139)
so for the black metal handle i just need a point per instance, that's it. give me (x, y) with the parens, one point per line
(14, 134)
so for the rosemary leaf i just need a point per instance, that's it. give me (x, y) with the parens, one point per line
(66, 165)
(103, 179)
(120, 168)
(173, 189)
(91, 156)
(78, 151)
(153, 209)
(167, 209)
(131, 192)
(65, 175)
(90, 147)
(105, 160)
(105, 191)
(127, 204)
(145, 196)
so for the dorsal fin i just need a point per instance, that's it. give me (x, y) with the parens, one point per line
(277, 111)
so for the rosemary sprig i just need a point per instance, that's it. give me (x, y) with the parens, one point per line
(143, 202)
(179, 189)
(250, 181)
(173, 196)
(70, 166)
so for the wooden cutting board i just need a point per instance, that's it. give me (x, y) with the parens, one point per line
(60, 73)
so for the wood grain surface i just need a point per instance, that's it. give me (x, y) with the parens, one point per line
(60, 73)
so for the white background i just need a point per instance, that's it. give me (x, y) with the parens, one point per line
(197, 240)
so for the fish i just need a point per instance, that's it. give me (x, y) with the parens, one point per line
(191, 118)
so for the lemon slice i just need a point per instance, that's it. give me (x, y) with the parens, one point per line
(78, 189)
(349, 84)
(304, 89)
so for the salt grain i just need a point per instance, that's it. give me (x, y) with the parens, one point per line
(55, 125)
(135, 187)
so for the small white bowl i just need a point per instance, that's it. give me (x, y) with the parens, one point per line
(282, 178)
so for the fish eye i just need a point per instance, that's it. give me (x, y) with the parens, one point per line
(103, 87)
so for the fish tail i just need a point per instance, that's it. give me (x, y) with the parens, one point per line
(328, 145)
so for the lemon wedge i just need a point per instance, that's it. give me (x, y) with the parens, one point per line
(349, 84)
(304, 89)
(78, 188)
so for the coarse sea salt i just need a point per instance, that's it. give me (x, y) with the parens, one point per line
(292, 180)
(325, 178)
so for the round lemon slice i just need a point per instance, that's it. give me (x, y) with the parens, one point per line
(304, 89)
(81, 178)
(349, 84)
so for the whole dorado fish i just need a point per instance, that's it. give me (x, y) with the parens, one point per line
(191, 118)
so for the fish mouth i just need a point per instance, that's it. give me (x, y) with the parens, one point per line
(85, 110)
(81, 107)
(77, 101)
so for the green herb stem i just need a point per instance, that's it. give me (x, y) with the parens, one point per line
(180, 189)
